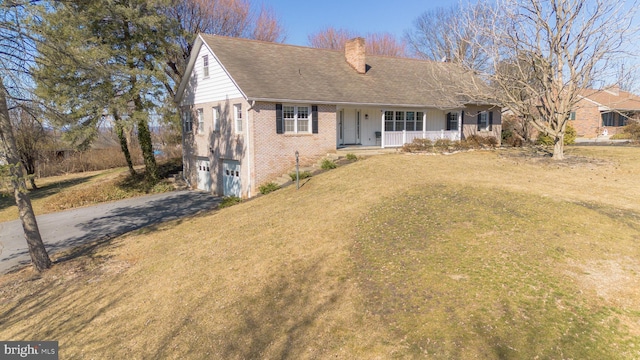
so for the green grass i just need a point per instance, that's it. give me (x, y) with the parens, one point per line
(490, 255)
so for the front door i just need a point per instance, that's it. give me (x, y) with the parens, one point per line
(231, 178)
(351, 127)
(204, 174)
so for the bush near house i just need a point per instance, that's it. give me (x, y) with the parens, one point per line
(351, 157)
(303, 175)
(328, 164)
(268, 187)
(570, 135)
(229, 201)
(446, 145)
(631, 131)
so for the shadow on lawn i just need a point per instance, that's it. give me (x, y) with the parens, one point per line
(7, 200)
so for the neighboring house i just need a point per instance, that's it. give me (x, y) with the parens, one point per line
(248, 106)
(607, 109)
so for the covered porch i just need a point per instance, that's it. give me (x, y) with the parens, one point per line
(389, 128)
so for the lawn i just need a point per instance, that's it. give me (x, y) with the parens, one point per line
(486, 254)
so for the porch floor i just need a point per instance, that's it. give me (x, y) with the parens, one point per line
(364, 150)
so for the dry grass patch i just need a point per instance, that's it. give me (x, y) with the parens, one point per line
(463, 256)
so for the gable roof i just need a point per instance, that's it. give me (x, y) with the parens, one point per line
(278, 72)
(613, 99)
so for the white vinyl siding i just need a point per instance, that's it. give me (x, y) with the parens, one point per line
(217, 87)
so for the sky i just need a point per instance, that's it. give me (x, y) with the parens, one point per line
(303, 17)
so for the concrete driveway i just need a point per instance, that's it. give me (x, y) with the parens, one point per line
(66, 229)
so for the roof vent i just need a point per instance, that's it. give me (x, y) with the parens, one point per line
(354, 54)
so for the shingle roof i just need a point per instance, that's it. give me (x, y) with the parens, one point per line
(614, 99)
(274, 71)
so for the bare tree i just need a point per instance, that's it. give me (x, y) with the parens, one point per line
(235, 18)
(375, 43)
(30, 137)
(16, 48)
(450, 34)
(545, 53)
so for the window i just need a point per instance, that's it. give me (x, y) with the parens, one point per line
(238, 117)
(572, 115)
(200, 121)
(399, 120)
(411, 120)
(388, 121)
(419, 117)
(216, 118)
(187, 122)
(452, 121)
(205, 66)
(607, 119)
(483, 121)
(296, 119)
(622, 120)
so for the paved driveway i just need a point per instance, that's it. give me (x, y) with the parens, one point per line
(66, 229)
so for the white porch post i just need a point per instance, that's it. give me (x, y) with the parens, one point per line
(424, 124)
(460, 125)
(382, 136)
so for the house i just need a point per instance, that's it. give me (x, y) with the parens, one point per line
(603, 111)
(248, 106)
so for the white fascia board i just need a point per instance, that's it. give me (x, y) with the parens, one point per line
(342, 103)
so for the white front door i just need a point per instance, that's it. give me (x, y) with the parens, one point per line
(231, 178)
(351, 127)
(204, 175)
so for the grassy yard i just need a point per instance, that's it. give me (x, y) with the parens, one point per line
(490, 255)
(58, 193)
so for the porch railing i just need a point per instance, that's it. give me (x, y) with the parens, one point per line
(399, 138)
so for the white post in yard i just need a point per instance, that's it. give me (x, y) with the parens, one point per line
(382, 136)
(424, 124)
(404, 137)
(460, 125)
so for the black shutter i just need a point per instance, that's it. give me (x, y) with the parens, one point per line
(478, 121)
(490, 120)
(279, 122)
(314, 118)
(448, 121)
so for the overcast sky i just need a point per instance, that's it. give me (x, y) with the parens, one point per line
(303, 17)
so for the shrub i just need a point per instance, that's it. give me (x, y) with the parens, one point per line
(631, 131)
(268, 187)
(303, 175)
(328, 164)
(570, 135)
(229, 201)
(352, 157)
(621, 136)
(418, 145)
(515, 130)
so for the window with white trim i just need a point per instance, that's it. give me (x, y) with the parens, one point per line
(200, 113)
(388, 121)
(399, 120)
(296, 118)
(403, 120)
(483, 121)
(411, 120)
(452, 121)
(216, 118)
(237, 113)
(205, 66)
(419, 119)
(187, 122)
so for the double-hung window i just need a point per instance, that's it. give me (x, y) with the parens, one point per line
(216, 118)
(296, 118)
(388, 121)
(200, 113)
(237, 112)
(452, 121)
(187, 122)
(205, 66)
(483, 121)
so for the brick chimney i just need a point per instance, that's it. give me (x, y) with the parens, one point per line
(354, 54)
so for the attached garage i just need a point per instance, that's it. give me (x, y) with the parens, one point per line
(231, 178)
(204, 174)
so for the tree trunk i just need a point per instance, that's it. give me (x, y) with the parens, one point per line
(558, 147)
(124, 146)
(37, 251)
(144, 137)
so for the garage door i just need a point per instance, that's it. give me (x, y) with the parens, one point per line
(231, 178)
(204, 175)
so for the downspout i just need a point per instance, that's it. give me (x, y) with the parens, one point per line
(252, 104)
(184, 178)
